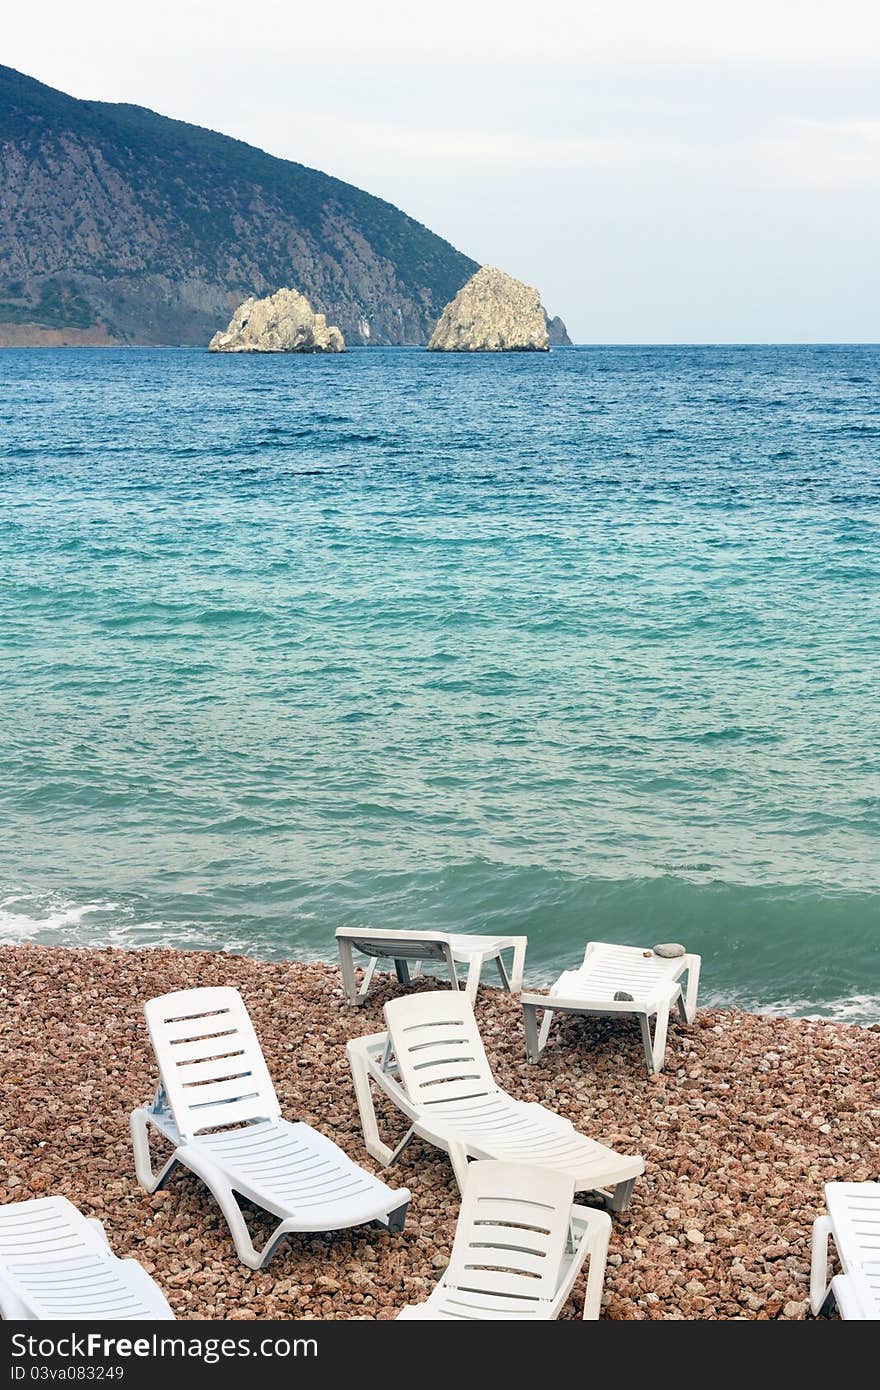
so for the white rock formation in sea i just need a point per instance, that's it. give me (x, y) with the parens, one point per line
(283, 322)
(492, 313)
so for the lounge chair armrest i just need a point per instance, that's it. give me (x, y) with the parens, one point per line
(561, 1003)
(12, 1308)
(592, 1231)
(98, 1227)
(590, 1226)
(364, 1054)
(537, 1001)
(846, 1296)
(819, 1286)
(519, 944)
(369, 1045)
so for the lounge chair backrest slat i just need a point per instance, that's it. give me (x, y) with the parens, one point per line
(401, 945)
(56, 1265)
(854, 1208)
(211, 1063)
(512, 1231)
(46, 1229)
(402, 950)
(438, 1048)
(626, 965)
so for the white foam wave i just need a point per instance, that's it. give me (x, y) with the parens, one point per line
(863, 1009)
(52, 919)
(22, 918)
(852, 1008)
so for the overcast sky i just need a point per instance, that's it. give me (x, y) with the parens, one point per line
(663, 170)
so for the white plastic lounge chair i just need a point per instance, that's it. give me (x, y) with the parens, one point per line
(520, 1244)
(853, 1219)
(425, 948)
(652, 983)
(432, 1065)
(216, 1104)
(56, 1265)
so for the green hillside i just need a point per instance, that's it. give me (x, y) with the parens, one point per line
(118, 221)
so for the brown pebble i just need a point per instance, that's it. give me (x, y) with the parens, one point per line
(751, 1116)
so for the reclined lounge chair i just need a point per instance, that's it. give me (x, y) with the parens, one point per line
(432, 1065)
(853, 1218)
(216, 1104)
(520, 1244)
(618, 980)
(428, 947)
(56, 1265)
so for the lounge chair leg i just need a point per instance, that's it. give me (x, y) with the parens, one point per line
(596, 1277)
(545, 1030)
(226, 1200)
(367, 1110)
(655, 1050)
(139, 1123)
(820, 1290)
(397, 1217)
(530, 1024)
(402, 971)
(346, 965)
(516, 969)
(368, 979)
(661, 1027)
(644, 1024)
(472, 983)
(505, 978)
(241, 1236)
(693, 985)
(459, 1160)
(400, 1147)
(620, 1195)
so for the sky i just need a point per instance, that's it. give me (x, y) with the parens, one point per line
(662, 170)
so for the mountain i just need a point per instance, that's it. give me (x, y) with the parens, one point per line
(120, 225)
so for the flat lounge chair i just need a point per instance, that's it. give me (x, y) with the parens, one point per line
(651, 982)
(520, 1244)
(432, 1065)
(428, 947)
(56, 1265)
(852, 1217)
(216, 1104)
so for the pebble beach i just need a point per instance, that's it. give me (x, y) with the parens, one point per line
(751, 1117)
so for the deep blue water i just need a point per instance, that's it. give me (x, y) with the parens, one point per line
(583, 645)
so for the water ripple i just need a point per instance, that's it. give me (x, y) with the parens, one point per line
(586, 645)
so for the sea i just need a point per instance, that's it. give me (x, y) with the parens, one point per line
(583, 645)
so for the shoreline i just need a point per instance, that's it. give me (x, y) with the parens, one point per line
(752, 1115)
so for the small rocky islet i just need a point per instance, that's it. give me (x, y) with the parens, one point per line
(282, 322)
(492, 312)
(751, 1116)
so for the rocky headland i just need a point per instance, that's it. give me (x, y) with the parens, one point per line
(557, 332)
(118, 225)
(282, 322)
(494, 312)
(739, 1132)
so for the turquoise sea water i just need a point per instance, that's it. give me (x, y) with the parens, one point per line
(581, 645)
